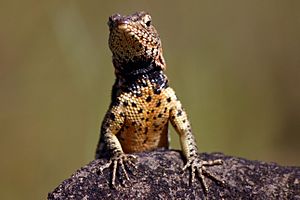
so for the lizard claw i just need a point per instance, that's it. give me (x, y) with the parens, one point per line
(119, 161)
(196, 164)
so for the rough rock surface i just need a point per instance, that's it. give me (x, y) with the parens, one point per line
(159, 176)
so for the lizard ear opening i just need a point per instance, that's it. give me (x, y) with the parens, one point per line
(160, 61)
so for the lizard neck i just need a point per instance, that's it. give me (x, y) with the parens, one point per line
(139, 75)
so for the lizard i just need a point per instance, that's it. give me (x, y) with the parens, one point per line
(142, 102)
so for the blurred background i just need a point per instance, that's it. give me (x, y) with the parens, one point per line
(235, 65)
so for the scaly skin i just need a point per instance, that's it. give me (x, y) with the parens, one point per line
(142, 102)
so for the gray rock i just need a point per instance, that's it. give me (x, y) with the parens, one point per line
(159, 176)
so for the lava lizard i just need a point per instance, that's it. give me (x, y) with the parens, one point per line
(142, 103)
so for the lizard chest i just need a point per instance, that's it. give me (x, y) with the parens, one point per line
(146, 120)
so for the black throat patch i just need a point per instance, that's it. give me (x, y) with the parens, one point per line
(134, 76)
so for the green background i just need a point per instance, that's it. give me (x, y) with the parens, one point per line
(234, 65)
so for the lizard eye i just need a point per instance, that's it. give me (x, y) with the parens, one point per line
(147, 20)
(148, 23)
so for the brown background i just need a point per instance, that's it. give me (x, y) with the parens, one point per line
(234, 65)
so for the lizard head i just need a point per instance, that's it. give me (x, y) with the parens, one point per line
(135, 44)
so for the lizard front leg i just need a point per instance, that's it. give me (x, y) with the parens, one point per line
(109, 143)
(178, 118)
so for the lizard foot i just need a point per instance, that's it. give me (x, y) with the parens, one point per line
(119, 161)
(200, 166)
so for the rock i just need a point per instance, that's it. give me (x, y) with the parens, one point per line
(159, 176)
